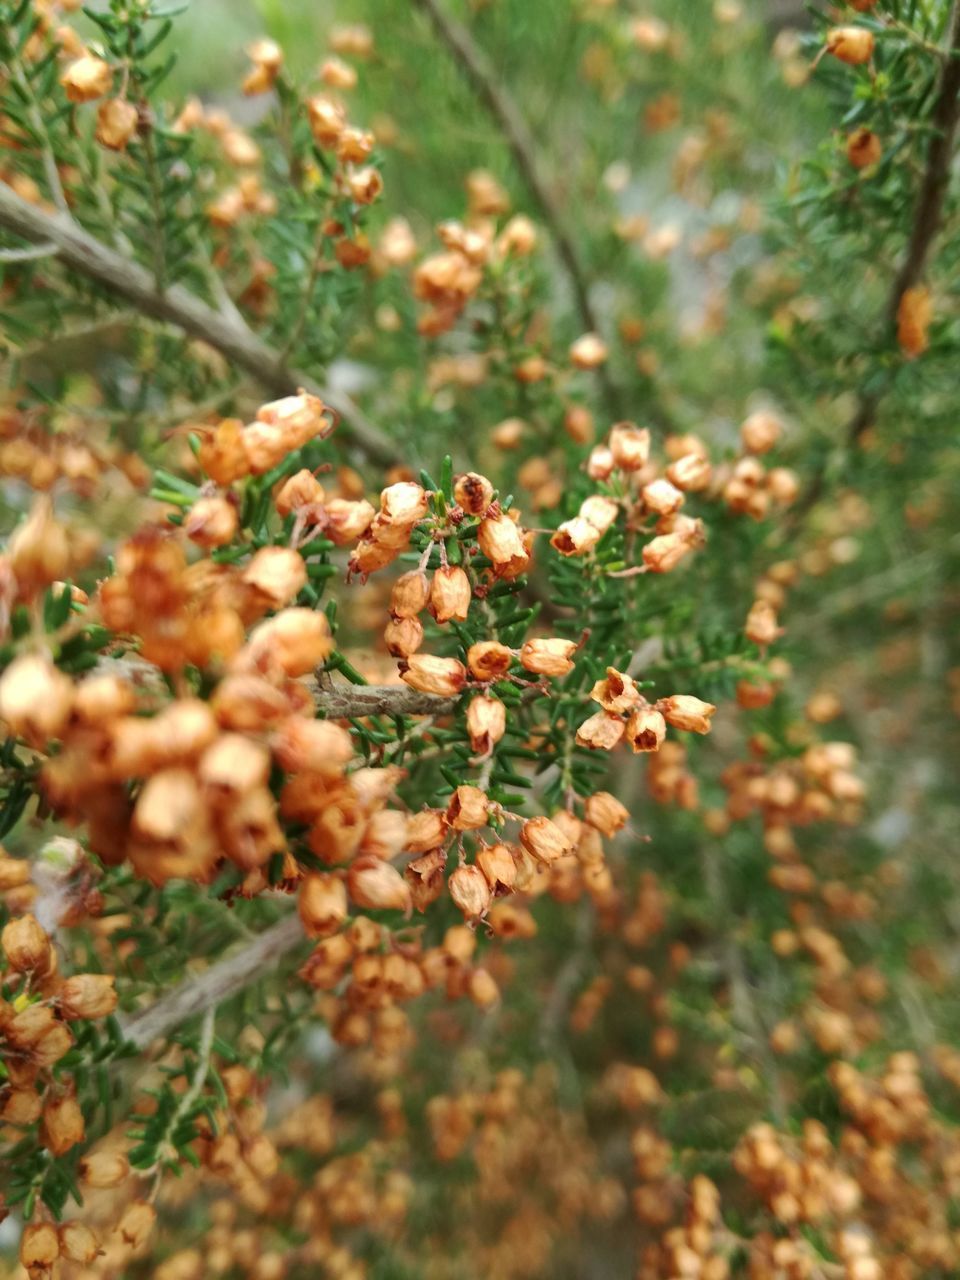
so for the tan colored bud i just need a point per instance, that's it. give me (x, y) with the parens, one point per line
(606, 813)
(104, 1169)
(385, 835)
(450, 594)
(482, 988)
(35, 698)
(87, 995)
(853, 45)
(26, 945)
(78, 1243)
(222, 455)
(86, 79)
(629, 446)
(501, 541)
(544, 840)
(575, 537)
(473, 492)
(312, 746)
(578, 424)
(499, 867)
(426, 830)
(467, 809)
(599, 511)
(21, 1107)
(646, 730)
(117, 122)
(347, 520)
(761, 626)
(600, 732)
(403, 636)
(295, 641)
(518, 237)
(136, 1225)
(444, 677)
(377, 886)
(404, 503)
(548, 657)
(211, 522)
(914, 314)
(100, 699)
(233, 764)
(62, 1126)
(489, 660)
(424, 875)
(39, 1247)
(409, 594)
(322, 903)
(758, 434)
(661, 497)
(600, 464)
(683, 711)
(665, 552)
(470, 892)
(300, 490)
(486, 723)
(169, 806)
(327, 120)
(691, 472)
(863, 148)
(14, 872)
(617, 692)
(277, 574)
(588, 352)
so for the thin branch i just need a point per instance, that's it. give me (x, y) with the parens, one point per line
(487, 84)
(82, 253)
(346, 701)
(222, 980)
(31, 254)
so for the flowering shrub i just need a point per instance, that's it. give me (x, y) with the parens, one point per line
(332, 884)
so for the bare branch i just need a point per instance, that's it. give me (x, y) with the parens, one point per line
(346, 701)
(206, 991)
(489, 88)
(82, 253)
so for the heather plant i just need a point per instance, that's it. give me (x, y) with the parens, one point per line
(476, 642)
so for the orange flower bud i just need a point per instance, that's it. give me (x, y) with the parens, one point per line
(683, 711)
(26, 945)
(469, 890)
(502, 543)
(86, 79)
(301, 490)
(21, 1107)
(294, 641)
(78, 1243)
(211, 522)
(600, 464)
(276, 574)
(499, 867)
(35, 698)
(442, 676)
(548, 657)
(665, 552)
(600, 732)
(450, 594)
(104, 1169)
(327, 120)
(424, 875)
(426, 830)
(117, 122)
(606, 813)
(761, 627)
(39, 1247)
(403, 636)
(588, 352)
(913, 320)
(544, 840)
(14, 872)
(137, 1223)
(346, 521)
(863, 148)
(404, 503)
(486, 723)
(312, 746)
(691, 472)
(322, 903)
(617, 693)
(377, 886)
(62, 1125)
(467, 809)
(758, 434)
(409, 594)
(853, 45)
(578, 424)
(100, 699)
(599, 511)
(646, 729)
(473, 493)
(481, 985)
(385, 835)
(629, 446)
(489, 660)
(661, 497)
(87, 995)
(575, 537)
(222, 455)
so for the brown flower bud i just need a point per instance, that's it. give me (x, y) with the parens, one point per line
(661, 497)
(486, 723)
(117, 122)
(600, 732)
(312, 746)
(853, 45)
(86, 79)
(300, 490)
(665, 552)
(629, 446)
(588, 352)
(87, 995)
(473, 493)
(467, 809)
(211, 522)
(137, 1223)
(544, 840)
(276, 574)
(26, 945)
(385, 835)
(600, 464)
(605, 812)
(683, 711)
(575, 537)
(758, 434)
(424, 875)
(761, 626)
(21, 1107)
(78, 1243)
(599, 511)
(578, 424)
(39, 1247)
(346, 520)
(430, 674)
(914, 313)
(327, 120)
(469, 890)
(35, 698)
(646, 729)
(548, 657)
(322, 904)
(499, 867)
(104, 1169)
(502, 543)
(489, 660)
(100, 699)
(863, 148)
(295, 641)
(691, 472)
(62, 1124)
(450, 594)
(617, 692)
(410, 594)
(403, 636)
(14, 872)
(404, 503)
(426, 830)
(377, 886)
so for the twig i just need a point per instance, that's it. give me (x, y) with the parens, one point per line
(28, 255)
(488, 86)
(343, 702)
(206, 991)
(81, 252)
